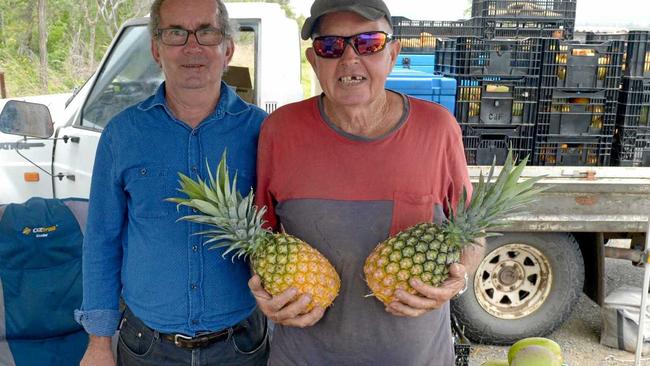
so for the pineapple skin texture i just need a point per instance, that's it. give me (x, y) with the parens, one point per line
(421, 251)
(286, 261)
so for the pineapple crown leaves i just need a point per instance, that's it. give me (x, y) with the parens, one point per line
(233, 221)
(491, 201)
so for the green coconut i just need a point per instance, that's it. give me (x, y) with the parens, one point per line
(535, 341)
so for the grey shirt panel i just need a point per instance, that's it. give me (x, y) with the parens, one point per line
(356, 330)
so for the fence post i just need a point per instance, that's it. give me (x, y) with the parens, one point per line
(3, 90)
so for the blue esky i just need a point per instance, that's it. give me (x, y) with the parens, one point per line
(589, 13)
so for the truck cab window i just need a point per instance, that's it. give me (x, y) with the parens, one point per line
(241, 73)
(128, 76)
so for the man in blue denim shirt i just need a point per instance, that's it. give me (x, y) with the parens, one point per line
(185, 304)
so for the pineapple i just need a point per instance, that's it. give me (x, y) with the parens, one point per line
(426, 250)
(281, 260)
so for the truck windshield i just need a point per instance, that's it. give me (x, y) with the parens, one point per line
(128, 76)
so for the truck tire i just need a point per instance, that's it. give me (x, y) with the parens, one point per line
(525, 286)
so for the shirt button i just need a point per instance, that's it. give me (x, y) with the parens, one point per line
(195, 210)
(193, 286)
(143, 171)
(195, 169)
(195, 248)
(195, 132)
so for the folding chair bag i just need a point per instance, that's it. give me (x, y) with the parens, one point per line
(40, 282)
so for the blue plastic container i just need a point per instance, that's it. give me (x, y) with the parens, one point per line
(426, 69)
(434, 88)
(420, 62)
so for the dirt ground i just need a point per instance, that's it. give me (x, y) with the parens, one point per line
(579, 337)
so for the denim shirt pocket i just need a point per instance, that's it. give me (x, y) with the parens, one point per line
(410, 209)
(147, 189)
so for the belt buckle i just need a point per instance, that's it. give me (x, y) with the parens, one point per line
(178, 337)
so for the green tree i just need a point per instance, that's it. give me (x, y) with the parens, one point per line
(42, 44)
(77, 35)
(468, 9)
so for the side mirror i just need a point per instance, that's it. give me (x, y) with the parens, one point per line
(26, 119)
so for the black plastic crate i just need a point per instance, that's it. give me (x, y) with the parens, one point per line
(419, 36)
(598, 37)
(573, 151)
(528, 9)
(484, 145)
(570, 113)
(499, 103)
(473, 56)
(509, 28)
(572, 65)
(637, 59)
(462, 346)
(631, 146)
(634, 102)
(632, 134)
(530, 18)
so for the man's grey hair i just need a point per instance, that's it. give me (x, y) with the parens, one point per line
(223, 19)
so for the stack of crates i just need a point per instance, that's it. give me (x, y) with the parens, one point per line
(419, 36)
(496, 98)
(525, 18)
(578, 100)
(632, 134)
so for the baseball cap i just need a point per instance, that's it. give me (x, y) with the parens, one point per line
(369, 9)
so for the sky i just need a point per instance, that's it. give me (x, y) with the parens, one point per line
(589, 13)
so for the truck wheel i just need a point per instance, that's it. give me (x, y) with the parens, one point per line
(525, 286)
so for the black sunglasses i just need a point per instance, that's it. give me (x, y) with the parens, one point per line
(364, 44)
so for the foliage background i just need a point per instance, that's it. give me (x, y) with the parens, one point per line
(78, 34)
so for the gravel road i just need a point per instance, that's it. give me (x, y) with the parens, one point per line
(579, 337)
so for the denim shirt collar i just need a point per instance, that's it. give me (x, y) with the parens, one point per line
(229, 102)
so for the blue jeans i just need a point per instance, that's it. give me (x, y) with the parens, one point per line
(139, 345)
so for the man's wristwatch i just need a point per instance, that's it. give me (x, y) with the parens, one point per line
(462, 291)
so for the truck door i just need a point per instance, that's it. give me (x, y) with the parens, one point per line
(127, 75)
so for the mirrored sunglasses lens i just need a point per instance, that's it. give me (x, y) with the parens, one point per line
(369, 43)
(329, 47)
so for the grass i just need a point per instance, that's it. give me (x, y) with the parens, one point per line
(22, 78)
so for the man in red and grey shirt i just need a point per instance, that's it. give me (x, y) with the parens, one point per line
(344, 171)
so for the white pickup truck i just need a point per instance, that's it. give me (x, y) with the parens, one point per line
(531, 276)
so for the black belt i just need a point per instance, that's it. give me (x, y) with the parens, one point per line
(202, 340)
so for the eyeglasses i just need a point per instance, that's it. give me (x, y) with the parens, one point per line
(179, 36)
(364, 44)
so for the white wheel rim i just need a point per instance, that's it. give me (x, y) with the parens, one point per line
(513, 281)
